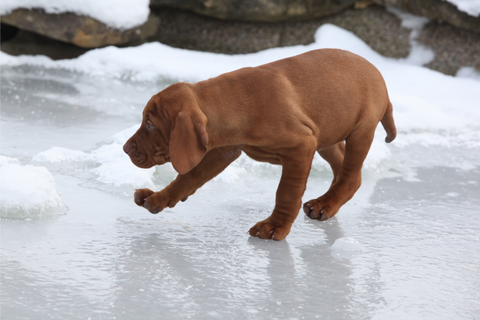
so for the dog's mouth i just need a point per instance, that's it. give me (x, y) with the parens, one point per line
(140, 160)
(137, 158)
(160, 158)
(144, 160)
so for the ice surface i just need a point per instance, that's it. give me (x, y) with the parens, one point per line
(397, 250)
(123, 14)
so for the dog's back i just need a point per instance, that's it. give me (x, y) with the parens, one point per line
(330, 91)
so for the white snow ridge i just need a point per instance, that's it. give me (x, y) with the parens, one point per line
(472, 7)
(27, 191)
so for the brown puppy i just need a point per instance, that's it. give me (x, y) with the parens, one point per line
(281, 113)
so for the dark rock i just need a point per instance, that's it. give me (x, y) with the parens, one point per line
(378, 28)
(82, 31)
(31, 43)
(436, 10)
(453, 47)
(259, 10)
(381, 30)
(7, 32)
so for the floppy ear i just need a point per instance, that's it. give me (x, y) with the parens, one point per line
(188, 140)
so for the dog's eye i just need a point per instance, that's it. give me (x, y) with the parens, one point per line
(150, 126)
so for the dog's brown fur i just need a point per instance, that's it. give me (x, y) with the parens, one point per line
(281, 113)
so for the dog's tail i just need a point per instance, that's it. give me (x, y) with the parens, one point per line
(389, 124)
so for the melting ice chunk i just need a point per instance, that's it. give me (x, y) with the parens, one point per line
(346, 247)
(27, 191)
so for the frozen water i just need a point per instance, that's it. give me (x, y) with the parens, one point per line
(405, 247)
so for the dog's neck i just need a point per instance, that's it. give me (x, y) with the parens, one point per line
(221, 131)
(222, 128)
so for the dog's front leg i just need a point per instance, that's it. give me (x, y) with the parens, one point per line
(214, 162)
(295, 170)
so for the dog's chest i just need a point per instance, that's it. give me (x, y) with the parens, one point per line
(261, 155)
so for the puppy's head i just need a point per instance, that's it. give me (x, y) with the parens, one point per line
(173, 130)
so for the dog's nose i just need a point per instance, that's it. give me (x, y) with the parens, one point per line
(127, 148)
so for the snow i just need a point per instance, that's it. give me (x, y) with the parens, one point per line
(27, 191)
(472, 7)
(57, 154)
(123, 14)
(468, 72)
(108, 162)
(419, 54)
(407, 238)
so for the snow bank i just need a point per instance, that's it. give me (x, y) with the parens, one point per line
(57, 154)
(123, 14)
(468, 72)
(116, 167)
(27, 191)
(108, 163)
(472, 7)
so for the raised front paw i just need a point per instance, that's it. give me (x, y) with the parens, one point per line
(320, 209)
(154, 202)
(271, 228)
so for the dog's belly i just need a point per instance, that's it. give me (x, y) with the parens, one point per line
(261, 155)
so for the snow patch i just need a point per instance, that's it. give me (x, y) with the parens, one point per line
(108, 162)
(409, 20)
(4, 160)
(58, 154)
(117, 169)
(468, 72)
(27, 191)
(121, 15)
(472, 7)
(419, 55)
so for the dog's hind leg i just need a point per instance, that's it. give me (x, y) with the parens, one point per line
(334, 156)
(347, 179)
